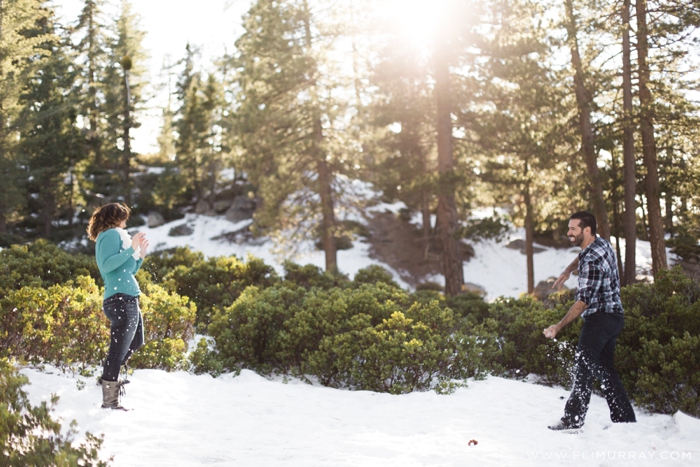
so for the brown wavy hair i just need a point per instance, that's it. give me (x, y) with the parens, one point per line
(107, 217)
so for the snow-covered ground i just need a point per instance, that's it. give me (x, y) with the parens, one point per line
(180, 419)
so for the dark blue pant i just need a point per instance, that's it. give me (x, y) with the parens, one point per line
(595, 357)
(126, 332)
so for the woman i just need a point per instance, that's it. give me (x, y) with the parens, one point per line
(118, 257)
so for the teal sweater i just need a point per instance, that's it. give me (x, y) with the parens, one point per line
(117, 265)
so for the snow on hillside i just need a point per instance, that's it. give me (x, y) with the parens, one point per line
(180, 419)
(498, 270)
(207, 228)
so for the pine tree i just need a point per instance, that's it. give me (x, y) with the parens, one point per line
(284, 120)
(630, 171)
(20, 56)
(49, 139)
(122, 85)
(656, 230)
(92, 48)
(522, 134)
(197, 123)
(405, 158)
(584, 99)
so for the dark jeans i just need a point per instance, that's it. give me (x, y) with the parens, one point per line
(126, 332)
(595, 356)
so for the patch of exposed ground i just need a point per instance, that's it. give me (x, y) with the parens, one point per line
(400, 245)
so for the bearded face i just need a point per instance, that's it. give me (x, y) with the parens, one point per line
(576, 240)
(575, 232)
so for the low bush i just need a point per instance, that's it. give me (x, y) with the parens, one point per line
(415, 350)
(42, 264)
(521, 348)
(330, 312)
(205, 359)
(217, 282)
(367, 337)
(29, 436)
(168, 326)
(469, 307)
(310, 276)
(658, 353)
(373, 274)
(159, 263)
(247, 333)
(62, 325)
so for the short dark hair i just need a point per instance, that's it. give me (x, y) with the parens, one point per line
(586, 219)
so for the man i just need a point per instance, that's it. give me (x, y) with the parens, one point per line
(598, 302)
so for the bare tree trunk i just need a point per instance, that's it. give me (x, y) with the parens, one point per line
(583, 99)
(669, 214)
(448, 222)
(615, 230)
(425, 204)
(48, 217)
(328, 227)
(3, 219)
(630, 170)
(425, 211)
(93, 136)
(645, 224)
(529, 238)
(126, 161)
(325, 176)
(653, 191)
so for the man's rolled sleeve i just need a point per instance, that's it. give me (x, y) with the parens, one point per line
(589, 281)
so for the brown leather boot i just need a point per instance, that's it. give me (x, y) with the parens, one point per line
(111, 390)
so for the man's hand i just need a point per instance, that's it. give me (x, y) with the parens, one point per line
(551, 332)
(559, 283)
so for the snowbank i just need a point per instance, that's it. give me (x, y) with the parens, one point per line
(181, 419)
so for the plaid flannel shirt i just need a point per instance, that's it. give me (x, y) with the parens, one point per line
(599, 279)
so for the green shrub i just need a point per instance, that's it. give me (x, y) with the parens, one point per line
(657, 354)
(373, 274)
(329, 312)
(159, 263)
(42, 264)
(368, 337)
(168, 326)
(29, 436)
(521, 346)
(247, 333)
(669, 379)
(430, 285)
(310, 276)
(469, 306)
(402, 354)
(63, 325)
(204, 359)
(217, 282)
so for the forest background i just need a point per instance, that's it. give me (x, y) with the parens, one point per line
(544, 108)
